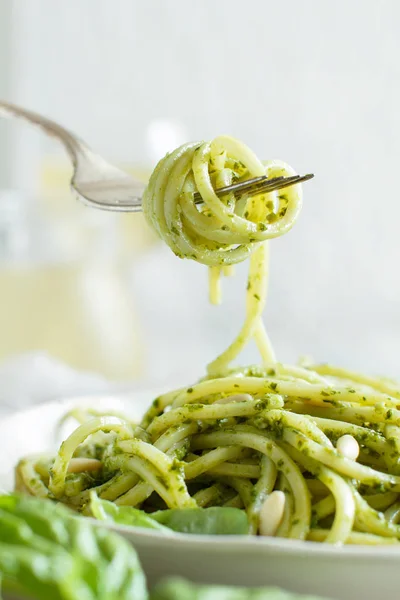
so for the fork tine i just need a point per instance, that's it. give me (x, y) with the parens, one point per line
(242, 186)
(258, 185)
(273, 184)
(264, 188)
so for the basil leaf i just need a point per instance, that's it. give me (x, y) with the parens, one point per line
(216, 520)
(123, 515)
(179, 589)
(52, 554)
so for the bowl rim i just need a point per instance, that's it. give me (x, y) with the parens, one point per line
(228, 543)
(235, 543)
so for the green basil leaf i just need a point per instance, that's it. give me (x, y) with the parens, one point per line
(179, 589)
(123, 515)
(47, 550)
(212, 521)
(216, 520)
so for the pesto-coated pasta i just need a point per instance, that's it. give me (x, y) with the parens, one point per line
(326, 440)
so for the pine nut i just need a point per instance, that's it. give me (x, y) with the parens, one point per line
(348, 447)
(271, 513)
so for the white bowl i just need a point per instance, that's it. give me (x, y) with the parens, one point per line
(346, 573)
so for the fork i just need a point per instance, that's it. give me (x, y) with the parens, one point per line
(101, 185)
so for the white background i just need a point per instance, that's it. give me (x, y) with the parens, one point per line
(313, 82)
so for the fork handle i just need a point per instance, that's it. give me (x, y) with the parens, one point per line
(71, 142)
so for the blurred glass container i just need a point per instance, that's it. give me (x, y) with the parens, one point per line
(63, 281)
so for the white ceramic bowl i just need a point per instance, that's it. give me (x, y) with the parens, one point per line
(347, 573)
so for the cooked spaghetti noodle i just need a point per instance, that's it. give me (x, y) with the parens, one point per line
(309, 452)
(223, 231)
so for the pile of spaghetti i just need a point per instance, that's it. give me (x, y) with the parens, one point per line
(310, 452)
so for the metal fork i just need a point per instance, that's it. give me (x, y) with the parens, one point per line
(103, 186)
